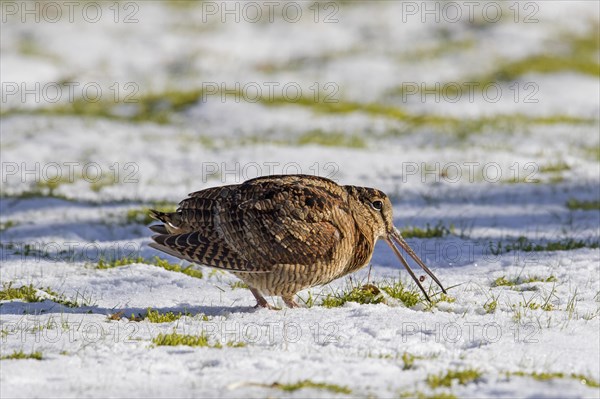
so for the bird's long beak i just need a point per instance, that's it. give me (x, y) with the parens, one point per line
(396, 237)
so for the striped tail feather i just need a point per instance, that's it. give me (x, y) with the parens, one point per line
(198, 249)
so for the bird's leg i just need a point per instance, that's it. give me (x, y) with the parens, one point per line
(261, 302)
(290, 302)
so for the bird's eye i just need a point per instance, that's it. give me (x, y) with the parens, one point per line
(377, 205)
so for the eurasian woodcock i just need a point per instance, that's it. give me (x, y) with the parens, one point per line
(281, 234)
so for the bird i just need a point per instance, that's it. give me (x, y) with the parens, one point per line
(281, 234)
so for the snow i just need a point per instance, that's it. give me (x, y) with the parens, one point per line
(368, 53)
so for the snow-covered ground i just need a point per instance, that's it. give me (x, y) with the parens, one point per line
(110, 108)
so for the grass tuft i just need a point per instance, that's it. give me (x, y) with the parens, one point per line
(408, 361)
(332, 139)
(175, 339)
(366, 294)
(504, 282)
(172, 267)
(304, 384)
(25, 293)
(154, 316)
(460, 127)
(491, 305)
(111, 263)
(397, 290)
(7, 225)
(22, 355)
(49, 186)
(554, 167)
(544, 64)
(439, 230)
(238, 284)
(524, 244)
(574, 204)
(546, 376)
(378, 292)
(462, 377)
(152, 107)
(28, 293)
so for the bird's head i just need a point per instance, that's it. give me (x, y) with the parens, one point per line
(375, 208)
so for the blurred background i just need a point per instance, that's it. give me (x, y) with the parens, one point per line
(182, 95)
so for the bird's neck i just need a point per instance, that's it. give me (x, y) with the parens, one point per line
(364, 243)
(363, 251)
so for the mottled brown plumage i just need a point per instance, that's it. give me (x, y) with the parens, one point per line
(281, 234)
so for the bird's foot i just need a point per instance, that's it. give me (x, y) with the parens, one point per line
(261, 302)
(290, 302)
(265, 305)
